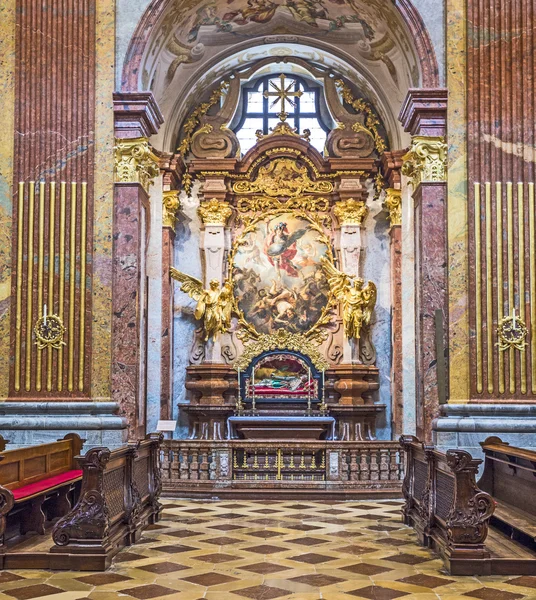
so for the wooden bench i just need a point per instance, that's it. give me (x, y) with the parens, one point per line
(446, 507)
(484, 528)
(510, 477)
(36, 484)
(118, 499)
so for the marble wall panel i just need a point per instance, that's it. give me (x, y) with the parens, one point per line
(103, 212)
(7, 123)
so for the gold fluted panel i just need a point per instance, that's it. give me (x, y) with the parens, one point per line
(505, 288)
(51, 284)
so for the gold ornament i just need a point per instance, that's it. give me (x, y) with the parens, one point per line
(265, 203)
(393, 204)
(282, 177)
(135, 162)
(284, 129)
(351, 212)
(283, 94)
(195, 117)
(512, 332)
(215, 212)
(49, 331)
(281, 340)
(357, 300)
(371, 120)
(426, 160)
(170, 208)
(214, 305)
(187, 181)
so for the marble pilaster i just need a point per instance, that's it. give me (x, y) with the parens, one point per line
(424, 116)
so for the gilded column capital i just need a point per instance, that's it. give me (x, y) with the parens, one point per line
(135, 162)
(393, 204)
(215, 212)
(426, 160)
(170, 208)
(351, 211)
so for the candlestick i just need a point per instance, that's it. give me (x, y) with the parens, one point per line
(45, 314)
(309, 391)
(253, 406)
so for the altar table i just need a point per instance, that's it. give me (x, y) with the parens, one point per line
(264, 427)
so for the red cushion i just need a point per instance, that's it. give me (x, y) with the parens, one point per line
(45, 484)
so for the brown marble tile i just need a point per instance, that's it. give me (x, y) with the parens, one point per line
(175, 548)
(7, 577)
(147, 592)
(127, 556)
(33, 591)
(266, 549)
(408, 559)
(393, 542)
(216, 558)
(302, 527)
(226, 527)
(182, 533)
(309, 541)
(312, 558)
(209, 579)
(376, 592)
(262, 592)
(163, 568)
(525, 581)
(428, 581)
(366, 569)
(222, 541)
(488, 593)
(264, 533)
(265, 568)
(103, 578)
(317, 580)
(356, 550)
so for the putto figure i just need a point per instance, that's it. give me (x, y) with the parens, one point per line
(214, 306)
(358, 300)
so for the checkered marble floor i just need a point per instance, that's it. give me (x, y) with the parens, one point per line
(235, 550)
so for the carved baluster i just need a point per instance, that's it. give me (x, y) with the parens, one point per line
(194, 464)
(184, 459)
(394, 467)
(384, 464)
(203, 466)
(374, 466)
(364, 470)
(354, 467)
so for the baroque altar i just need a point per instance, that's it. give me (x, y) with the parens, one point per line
(284, 350)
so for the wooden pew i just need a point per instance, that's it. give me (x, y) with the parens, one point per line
(446, 507)
(510, 477)
(36, 484)
(118, 499)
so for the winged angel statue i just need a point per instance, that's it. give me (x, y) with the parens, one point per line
(358, 300)
(214, 306)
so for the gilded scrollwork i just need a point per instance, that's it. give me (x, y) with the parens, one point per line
(282, 340)
(135, 162)
(351, 211)
(393, 204)
(215, 212)
(426, 160)
(246, 204)
(283, 177)
(49, 331)
(170, 207)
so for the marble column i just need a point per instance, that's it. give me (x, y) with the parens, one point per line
(424, 117)
(136, 166)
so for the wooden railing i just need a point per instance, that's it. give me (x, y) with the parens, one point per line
(203, 468)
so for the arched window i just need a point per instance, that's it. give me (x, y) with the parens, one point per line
(288, 98)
